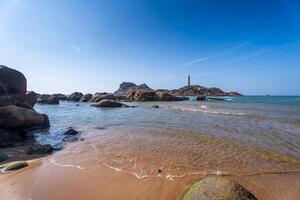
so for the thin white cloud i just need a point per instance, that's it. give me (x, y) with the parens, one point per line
(205, 58)
(76, 48)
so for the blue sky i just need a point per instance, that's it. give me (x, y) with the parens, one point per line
(250, 46)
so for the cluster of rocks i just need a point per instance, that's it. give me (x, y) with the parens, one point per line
(196, 90)
(148, 95)
(18, 118)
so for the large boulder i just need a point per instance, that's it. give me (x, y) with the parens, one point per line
(126, 87)
(217, 188)
(61, 97)
(164, 96)
(48, 99)
(86, 98)
(12, 86)
(108, 104)
(3, 156)
(76, 96)
(17, 117)
(31, 98)
(201, 98)
(15, 165)
(142, 95)
(104, 96)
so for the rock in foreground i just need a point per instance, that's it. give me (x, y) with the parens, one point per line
(40, 149)
(109, 104)
(14, 165)
(217, 188)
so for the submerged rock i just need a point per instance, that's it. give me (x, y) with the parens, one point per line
(217, 188)
(72, 139)
(214, 99)
(40, 149)
(109, 104)
(14, 165)
(155, 106)
(12, 86)
(3, 156)
(71, 131)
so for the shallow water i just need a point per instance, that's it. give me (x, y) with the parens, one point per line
(240, 136)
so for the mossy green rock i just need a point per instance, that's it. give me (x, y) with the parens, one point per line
(217, 188)
(14, 165)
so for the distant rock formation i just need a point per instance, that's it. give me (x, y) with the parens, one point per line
(126, 87)
(76, 96)
(196, 90)
(147, 95)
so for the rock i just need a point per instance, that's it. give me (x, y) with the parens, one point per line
(3, 156)
(40, 149)
(217, 188)
(71, 131)
(195, 90)
(9, 137)
(31, 98)
(14, 165)
(12, 86)
(72, 139)
(109, 104)
(155, 106)
(201, 98)
(76, 96)
(233, 94)
(25, 105)
(102, 97)
(126, 87)
(86, 97)
(142, 95)
(164, 96)
(61, 97)
(17, 117)
(48, 99)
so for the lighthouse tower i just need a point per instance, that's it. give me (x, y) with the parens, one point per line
(189, 80)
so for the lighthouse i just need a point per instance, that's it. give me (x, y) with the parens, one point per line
(189, 80)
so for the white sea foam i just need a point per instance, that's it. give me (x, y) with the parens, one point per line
(208, 111)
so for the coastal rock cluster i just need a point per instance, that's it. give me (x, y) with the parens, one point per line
(18, 118)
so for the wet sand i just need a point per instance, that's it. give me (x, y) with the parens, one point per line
(43, 180)
(150, 163)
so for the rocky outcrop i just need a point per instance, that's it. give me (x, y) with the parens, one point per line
(196, 90)
(61, 97)
(17, 117)
(109, 104)
(86, 98)
(126, 87)
(76, 96)
(48, 99)
(164, 96)
(3, 156)
(217, 188)
(148, 95)
(12, 86)
(71, 131)
(233, 94)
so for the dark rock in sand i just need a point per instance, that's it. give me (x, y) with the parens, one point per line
(9, 137)
(217, 188)
(12, 86)
(17, 117)
(48, 99)
(14, 165)
(76, 96)
(3, 156)
(40, 149)
(71, 131)
(109, 104)
(31, 98)
(126, 87)
(201, 98)
(86, 97)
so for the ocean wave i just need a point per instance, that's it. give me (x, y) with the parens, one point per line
(208, 111)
